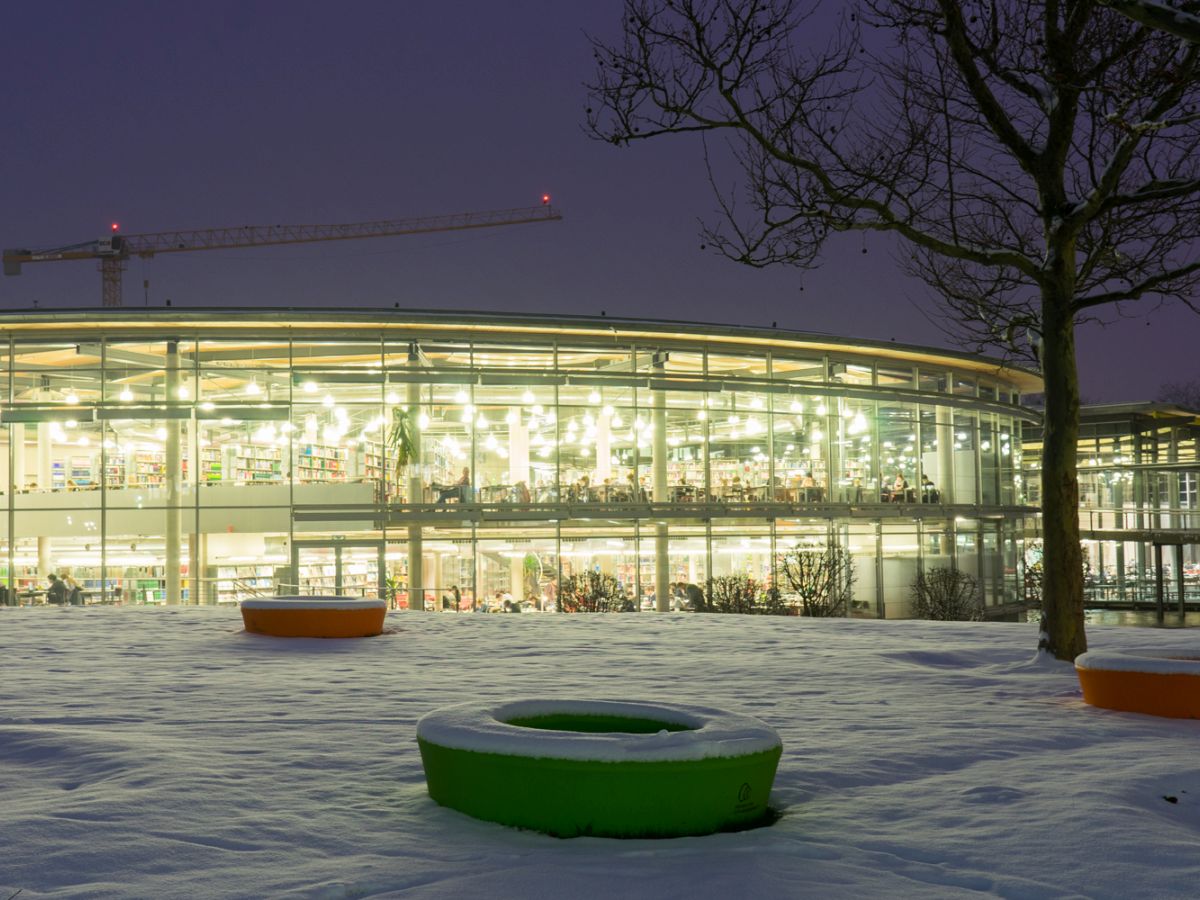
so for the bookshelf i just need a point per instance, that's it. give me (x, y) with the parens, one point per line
(148, 469)
(80, 471)
(316, 462)
(253, 464)
(238, 583)
(114, 470)
(211, 468)
(358, 579)
(318, 579)
(373, 461)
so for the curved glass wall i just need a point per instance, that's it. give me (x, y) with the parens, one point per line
(450, 466)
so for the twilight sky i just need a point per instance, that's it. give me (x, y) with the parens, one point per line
(166, 116)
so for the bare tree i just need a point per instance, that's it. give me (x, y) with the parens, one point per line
(822, 580)
(946, 595)
(1039, 160)
(1180, 20)
(1184, 394)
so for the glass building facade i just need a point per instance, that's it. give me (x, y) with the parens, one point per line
(1139, 501)
(160, 456)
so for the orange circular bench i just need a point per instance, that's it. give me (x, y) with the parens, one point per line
(1154, 684)
(321, 617)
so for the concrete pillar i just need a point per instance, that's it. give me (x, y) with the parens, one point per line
(516, 579)
(662, 562)
(172, 466)
(945, 454)
(18, 456)
(201, 590)
(1178, 563)
(603, 447)
(198, 592)
(45, 561)
(416, 492)
(45, 446)
(518, 448)
(1159, 606)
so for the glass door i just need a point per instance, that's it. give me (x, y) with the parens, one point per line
(332, 568)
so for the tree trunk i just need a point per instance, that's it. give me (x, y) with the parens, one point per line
(1062, 592)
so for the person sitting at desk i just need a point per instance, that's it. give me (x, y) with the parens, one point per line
(522, 492)
(606, 491)
(929, 491)
(583, 490)
(460, 489)
(807, 489)
(57, 592)
(900, 489)
(74, 591)
(684, 492)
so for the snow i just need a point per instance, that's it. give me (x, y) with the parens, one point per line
(482, 727)
(1150, 662)
(312, 603)
(167, 753)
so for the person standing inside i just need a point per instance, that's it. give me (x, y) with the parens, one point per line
(57, 592)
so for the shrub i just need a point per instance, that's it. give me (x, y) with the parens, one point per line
(744, 595)
(592, 592)
(1034, 574)
(946, 595)
(822, 581)
(731, 594)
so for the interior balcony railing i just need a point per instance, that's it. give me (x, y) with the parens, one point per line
(1134, 523)
(396, 514)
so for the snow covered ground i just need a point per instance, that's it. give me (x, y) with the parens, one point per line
(160, 753)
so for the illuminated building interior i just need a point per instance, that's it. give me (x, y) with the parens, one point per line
(163, 456)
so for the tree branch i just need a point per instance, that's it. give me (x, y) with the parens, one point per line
(1173, 20)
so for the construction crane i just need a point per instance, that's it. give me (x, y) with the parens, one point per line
(113, 251)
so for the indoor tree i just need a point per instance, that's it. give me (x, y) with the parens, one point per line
(1038, 162)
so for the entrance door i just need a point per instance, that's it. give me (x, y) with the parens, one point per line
(339, 568)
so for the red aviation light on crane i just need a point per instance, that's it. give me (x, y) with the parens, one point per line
(545, 199)
(116, 226)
